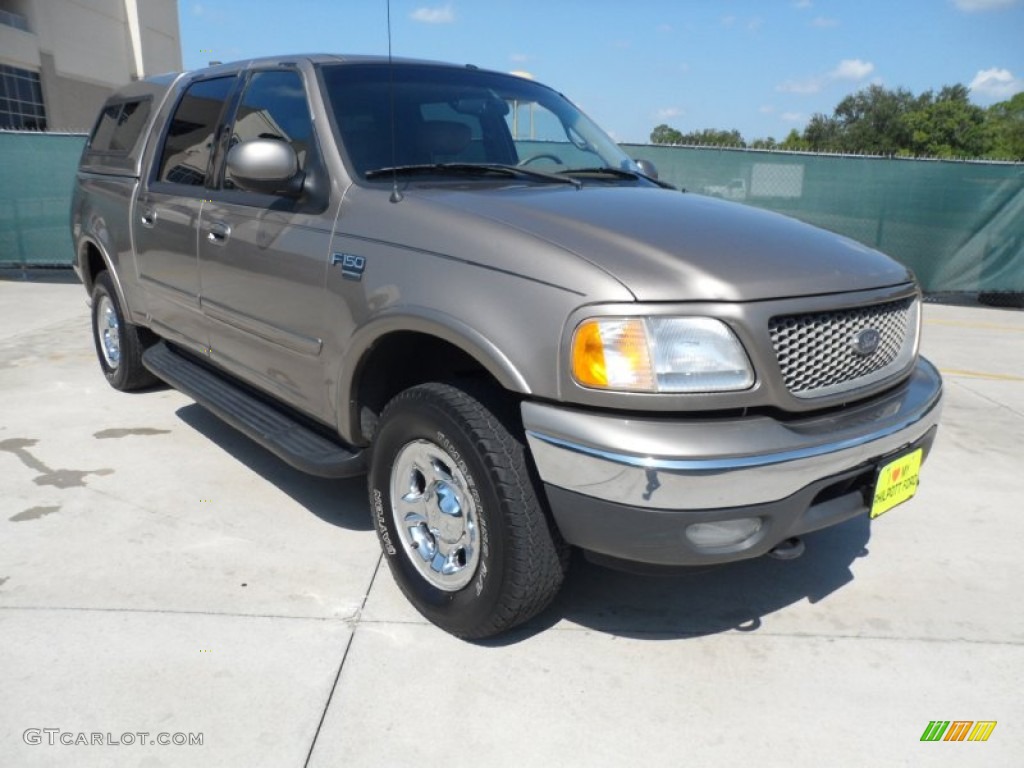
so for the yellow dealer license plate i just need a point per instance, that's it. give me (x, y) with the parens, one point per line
(897, 482)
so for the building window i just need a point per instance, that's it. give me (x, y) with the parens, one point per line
(16, 20)
(21, 99)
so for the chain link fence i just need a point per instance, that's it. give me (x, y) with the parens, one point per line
(35, 197)
(958, 225)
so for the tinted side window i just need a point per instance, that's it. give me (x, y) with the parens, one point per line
(100, 141)
(186, 153)
(119, 127)
(274, 107)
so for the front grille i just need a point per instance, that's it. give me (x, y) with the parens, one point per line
(816, 351)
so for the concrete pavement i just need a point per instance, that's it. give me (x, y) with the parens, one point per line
(161, 574)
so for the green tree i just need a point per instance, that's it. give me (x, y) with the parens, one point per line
(666, 134)
(873, 120)
(794, 142)
(822, 134)
(714, 137)
(881, 121)
(1005, 121)
(947, 125)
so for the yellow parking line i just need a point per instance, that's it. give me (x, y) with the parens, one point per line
(987, 326)
(980, 375)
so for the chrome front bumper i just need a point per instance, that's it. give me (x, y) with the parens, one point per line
(662, 475)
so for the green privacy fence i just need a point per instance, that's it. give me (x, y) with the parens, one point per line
(959, 226)
(37, 171)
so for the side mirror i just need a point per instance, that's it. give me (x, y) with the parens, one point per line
(268, 166)
(647, 168)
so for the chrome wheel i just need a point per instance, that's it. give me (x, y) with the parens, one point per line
(456, 511)
(108, 332)
(435, 515)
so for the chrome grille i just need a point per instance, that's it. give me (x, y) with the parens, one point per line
(816, 351)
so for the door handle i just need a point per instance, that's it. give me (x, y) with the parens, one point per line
(148, 217)
(218, 233)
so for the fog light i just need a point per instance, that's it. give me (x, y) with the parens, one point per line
(723, 533)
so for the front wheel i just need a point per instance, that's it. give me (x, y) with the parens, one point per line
(458, 516)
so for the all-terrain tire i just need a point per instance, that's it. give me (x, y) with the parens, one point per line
(457, 513)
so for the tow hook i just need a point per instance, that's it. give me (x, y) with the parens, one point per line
(790, 549)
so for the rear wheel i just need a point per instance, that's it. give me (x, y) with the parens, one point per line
(458, 515)
(119, 344)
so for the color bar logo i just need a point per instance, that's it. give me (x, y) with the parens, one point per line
(958, 730)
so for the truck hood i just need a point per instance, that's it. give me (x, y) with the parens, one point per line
(669, 246)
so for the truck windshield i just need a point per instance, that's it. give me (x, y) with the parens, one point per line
(449, 117)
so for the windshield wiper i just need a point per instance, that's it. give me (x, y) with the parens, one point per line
(472, 169)
(618, 173)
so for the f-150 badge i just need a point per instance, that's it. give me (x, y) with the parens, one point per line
(352, 266)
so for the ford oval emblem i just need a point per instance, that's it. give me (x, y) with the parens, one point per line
(865, 343)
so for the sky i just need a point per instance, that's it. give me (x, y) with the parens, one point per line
(762, 67)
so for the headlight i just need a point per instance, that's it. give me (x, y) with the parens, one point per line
(659, 354)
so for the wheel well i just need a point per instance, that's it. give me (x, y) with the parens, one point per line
(93, 265)
(404, 359)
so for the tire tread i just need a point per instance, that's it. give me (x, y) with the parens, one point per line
(536, 556)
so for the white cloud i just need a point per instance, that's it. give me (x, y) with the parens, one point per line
(974, 6)
(442, 14)
(665, 28)
(792, 117)
(667, 113)
(996, 83)
(823, 23)
(519, 58)
(808, 85)
(802, 5)
(852, 69)
(848, 69)
(751, 23)
(766, 109)
(197, 9)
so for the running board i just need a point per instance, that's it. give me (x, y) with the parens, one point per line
(282, 435)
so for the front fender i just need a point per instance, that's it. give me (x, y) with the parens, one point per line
(431, 322)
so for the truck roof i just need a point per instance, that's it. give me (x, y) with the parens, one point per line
(167, 79)
(153, 91)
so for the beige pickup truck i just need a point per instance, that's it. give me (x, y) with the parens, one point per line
(452, 280)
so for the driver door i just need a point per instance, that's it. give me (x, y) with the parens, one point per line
(263, 258)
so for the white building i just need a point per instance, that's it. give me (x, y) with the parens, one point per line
(59, 59)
